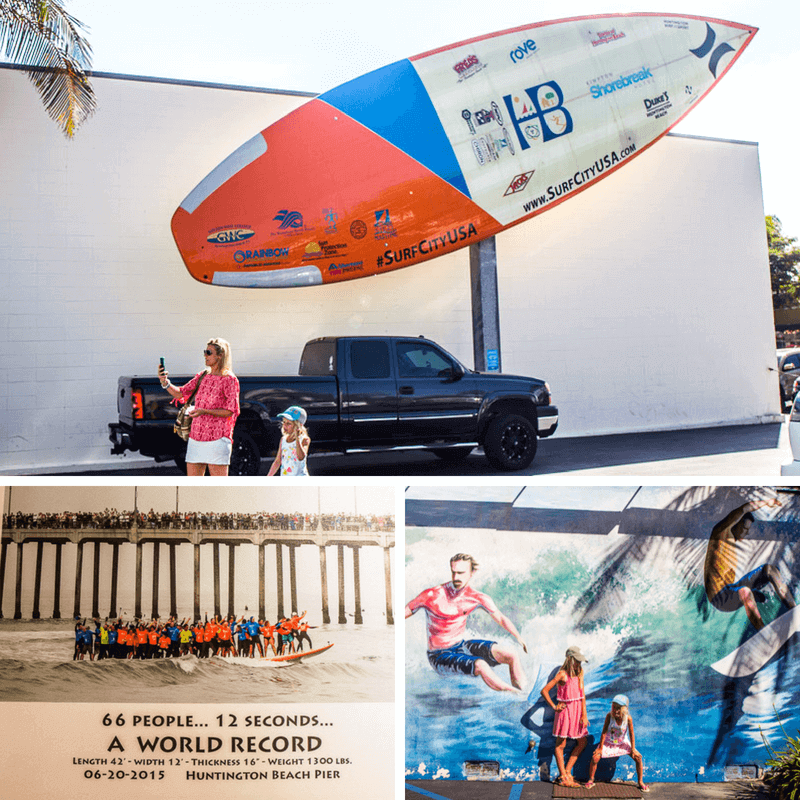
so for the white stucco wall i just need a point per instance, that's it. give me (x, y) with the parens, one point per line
(644, 301)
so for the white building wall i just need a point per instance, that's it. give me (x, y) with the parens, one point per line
(644, 301)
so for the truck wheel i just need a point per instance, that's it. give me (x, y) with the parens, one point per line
(451, 453)
(510, 442)
(180, 463)
(245, 458)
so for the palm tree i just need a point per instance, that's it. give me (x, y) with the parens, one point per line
(41, 37)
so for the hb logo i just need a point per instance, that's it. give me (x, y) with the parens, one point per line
(544, 103)
(706, 48)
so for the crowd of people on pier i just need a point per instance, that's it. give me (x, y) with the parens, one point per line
(112, 519)
(218, 636)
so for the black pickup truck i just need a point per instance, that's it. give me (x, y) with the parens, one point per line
(364, 393)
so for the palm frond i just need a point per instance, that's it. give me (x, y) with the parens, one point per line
(42, 37)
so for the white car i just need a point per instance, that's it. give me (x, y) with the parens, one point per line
(793, 466)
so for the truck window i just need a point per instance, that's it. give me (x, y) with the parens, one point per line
(370, 359)
(420, 360)
(319, 358)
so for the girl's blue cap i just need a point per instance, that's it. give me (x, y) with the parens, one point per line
(621, 700)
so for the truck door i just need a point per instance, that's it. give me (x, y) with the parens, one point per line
(369, 407)
(435, 399)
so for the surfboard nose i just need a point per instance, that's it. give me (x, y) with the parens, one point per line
(318, 197)
(222, 228)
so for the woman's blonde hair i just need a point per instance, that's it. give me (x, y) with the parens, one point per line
(223, 349)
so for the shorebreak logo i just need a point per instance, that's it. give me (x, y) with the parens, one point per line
(621, 83)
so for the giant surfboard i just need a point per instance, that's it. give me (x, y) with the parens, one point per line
(436, 152)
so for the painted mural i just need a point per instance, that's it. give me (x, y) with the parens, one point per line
(678, 601)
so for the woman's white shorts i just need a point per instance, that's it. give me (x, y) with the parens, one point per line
(216, 452)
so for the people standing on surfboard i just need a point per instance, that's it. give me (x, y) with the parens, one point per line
(292, 455)
(571, 720)
(618, 739)
(214, 410)
(447, 608)
(727, 593)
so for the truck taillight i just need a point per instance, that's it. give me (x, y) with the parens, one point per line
(137, 404)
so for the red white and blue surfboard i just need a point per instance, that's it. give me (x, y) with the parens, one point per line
(437, 152)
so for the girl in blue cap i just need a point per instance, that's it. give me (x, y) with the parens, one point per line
(292, 455)
(618, 739)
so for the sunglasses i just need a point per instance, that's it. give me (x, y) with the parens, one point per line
(209, 353)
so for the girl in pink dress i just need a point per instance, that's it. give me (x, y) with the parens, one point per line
(571, 720)
(618, 739)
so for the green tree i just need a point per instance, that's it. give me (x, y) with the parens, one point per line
(784, 257)
(42, 37)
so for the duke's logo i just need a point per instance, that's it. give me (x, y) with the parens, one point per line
(289, 219)
(544, 104)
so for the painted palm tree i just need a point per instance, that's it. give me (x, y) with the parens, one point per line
(41, 37)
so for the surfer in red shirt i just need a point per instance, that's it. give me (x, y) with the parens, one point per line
(447, 607)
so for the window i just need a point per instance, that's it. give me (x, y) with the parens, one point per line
(420, 360)
(370, 359)
(319, 358)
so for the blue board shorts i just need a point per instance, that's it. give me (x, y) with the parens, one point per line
(727, 598)
(461, 657)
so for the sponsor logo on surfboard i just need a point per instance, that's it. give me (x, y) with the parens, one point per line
(339, 269)
(291, 222)
(428, 246)
(623, 82)
(489, 148)
(383, 227)
(708, 47)
(230, 235)
(658, 106)
(604, 37)
(543, 104)
(289, 219)
(242, 256)
(467, 67)
(330, 217)
(325, 250)
(519, 183)
(523, 51)
(358, 229)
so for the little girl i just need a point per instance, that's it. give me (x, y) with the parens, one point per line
(292, 452)
(618, 739)
(571, 721)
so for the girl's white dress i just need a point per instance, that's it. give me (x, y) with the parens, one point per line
(617, 739)
(290, 463)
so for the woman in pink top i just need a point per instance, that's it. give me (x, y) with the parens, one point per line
(571, 720)
(214, 410)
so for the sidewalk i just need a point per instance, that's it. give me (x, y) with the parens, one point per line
(539, 790)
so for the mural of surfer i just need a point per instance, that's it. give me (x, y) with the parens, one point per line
(724, 591)
(447, 607)
(646, 582)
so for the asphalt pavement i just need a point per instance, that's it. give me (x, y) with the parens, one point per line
(740, 451)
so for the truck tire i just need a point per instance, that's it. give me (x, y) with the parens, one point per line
(510, 442)
(451, 453)
(180, 463)
(245, 458)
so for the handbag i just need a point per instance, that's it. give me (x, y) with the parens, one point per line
(183, 422)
